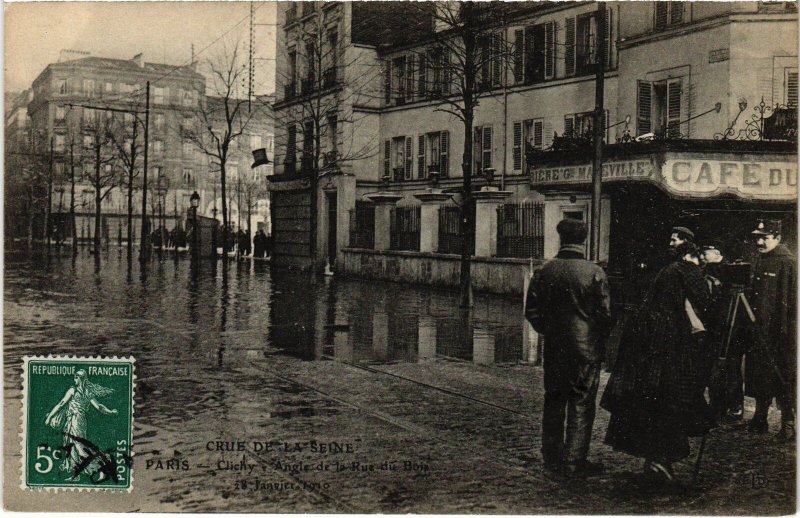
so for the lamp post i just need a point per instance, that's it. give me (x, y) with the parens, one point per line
(194, 200)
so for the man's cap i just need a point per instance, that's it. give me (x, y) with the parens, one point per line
(712, 245)
(572, 231)
(683, 233)
(766, 227)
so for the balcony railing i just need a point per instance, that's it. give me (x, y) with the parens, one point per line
(307, 85)
(289, 90)
(330, 158)
(329, 78)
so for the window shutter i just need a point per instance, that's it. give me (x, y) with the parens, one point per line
(547, 140)
(674, 108)
(497, 59)
(569, 125)
(421, 90)
(662, 12)
(387, 82)
(675, 12)
(538, 134)
(387, 154)
(519, 55)
(444, 153)
(643, 107)
(607, 42)
(569, 46)
(486, 159)
(421, 172)
(446, 73)
(517, 154)
(550, 50)
(791, 88)
(409, 159)
(410, 77)
(529, 59)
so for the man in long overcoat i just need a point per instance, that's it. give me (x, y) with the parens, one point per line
(770, 364)
(568, 302)
(653, 394)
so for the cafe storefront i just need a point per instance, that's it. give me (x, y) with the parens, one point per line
(719, 189)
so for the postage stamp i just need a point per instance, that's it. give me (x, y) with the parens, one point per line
(77, 423)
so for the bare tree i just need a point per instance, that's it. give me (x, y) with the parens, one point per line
(126, 141)
(224, 114)
(467, 56)
(104, 177)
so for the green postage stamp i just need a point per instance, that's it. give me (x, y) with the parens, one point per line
(77, 423)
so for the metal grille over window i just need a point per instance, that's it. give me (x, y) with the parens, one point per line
(362, 225)
(520, 230)
(404, 229)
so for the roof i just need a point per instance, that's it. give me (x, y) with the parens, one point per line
(127, 65)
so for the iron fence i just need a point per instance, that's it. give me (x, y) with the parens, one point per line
(404, 232)
(362, 225)
(450, 222)
(520, 230)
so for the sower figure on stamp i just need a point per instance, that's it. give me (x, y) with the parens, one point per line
(653, 391)
(770, 363)
(69, 417)
(568, 302)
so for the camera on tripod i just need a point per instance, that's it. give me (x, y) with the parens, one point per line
(735, 274)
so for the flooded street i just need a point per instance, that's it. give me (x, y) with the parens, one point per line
(267, 391)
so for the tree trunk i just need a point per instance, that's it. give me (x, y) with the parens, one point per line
(73, 228)
(225, 229)
(30, 218)
(130, 214)
(97, 200)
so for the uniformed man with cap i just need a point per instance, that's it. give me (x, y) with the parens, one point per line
(770, 365)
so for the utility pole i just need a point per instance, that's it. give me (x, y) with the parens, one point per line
(49, 196)
(143, 251)
(599, 130)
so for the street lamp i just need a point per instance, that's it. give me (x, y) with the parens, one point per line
(194, 201)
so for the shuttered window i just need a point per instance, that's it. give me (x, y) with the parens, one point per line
(387, 82)
(674, 94)
(422, 82)
(676, 12)
(644, 107)
(410, 78)
(569, 126)
(791, 87)
(519, 55)
(517, 147)
(444, 153)
(422, 168)
(569, 46)
(667, 13)
(537, 142)
(497, 59)
(662, 14)
(409, 160)
(482, 149)
(447, 76)
(387, 158)
(550, 50)
(291, 143)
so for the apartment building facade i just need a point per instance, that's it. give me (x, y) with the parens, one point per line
(676, 75)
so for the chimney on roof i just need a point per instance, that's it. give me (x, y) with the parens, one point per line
(69, 55)
(139, 60)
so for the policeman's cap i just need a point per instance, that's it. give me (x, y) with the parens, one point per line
(766, 227)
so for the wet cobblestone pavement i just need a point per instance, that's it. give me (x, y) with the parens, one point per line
(348, 396)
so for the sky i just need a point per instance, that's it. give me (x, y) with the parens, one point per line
(34, 33)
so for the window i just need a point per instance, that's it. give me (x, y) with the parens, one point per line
(58, 143)
(88, 86)
(158, 172)
(88, 141)
(125, 88)
(397, 158)
(311, 61)
(399, 79)
(482, 149)
(158, 146)
(188, 150)
(58, 168)
(308, 146)
(333, 136)
(659, 107)
(580, 125)
(489, 61)
(668, 13)
(187, 98)
(159, 121)
(291, 144)
(159, 95)
(255, 142)
(534, 53)
(61, 86)
(580, 43)
(333, 45)
(187, 176)
(291, 88)
(528, 134)
(432, 152)
(108, 87)
(187, 125)
(60, 113)
(790, 80)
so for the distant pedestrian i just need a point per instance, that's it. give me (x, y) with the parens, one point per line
(652, 394)
(770, 362)
(568, 302)
(259, 244)
(244, 243)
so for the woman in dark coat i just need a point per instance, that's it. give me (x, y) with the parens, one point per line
(655, 394)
